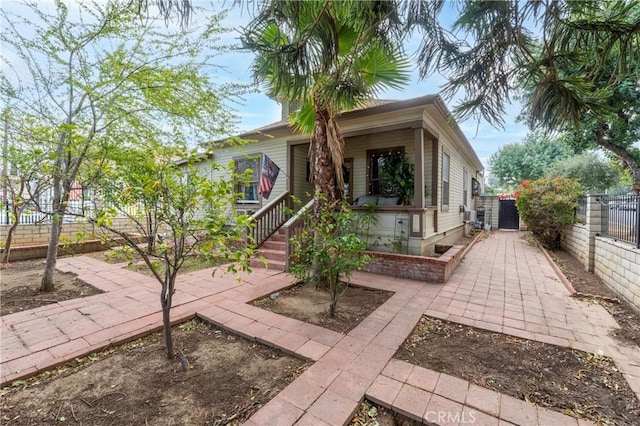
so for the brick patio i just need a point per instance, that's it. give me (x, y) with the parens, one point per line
(503, 285)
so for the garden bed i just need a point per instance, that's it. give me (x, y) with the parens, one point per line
(227, 379)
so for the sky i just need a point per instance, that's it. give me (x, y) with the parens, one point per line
(258, 110)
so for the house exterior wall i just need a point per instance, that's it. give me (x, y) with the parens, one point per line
(377, 128)
(275, 148)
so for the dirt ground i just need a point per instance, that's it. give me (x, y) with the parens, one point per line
(590, 288)
(227, 379)
(20, 287)
(305, 303)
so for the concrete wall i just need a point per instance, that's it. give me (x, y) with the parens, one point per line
(618, 265)
(29, 235)
(575, 240)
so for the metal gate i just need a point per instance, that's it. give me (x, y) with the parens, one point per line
(508, 217)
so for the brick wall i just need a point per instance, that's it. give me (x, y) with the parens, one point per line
(428, 269)
(618, 265)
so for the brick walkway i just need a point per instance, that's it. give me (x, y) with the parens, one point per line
(503, 285)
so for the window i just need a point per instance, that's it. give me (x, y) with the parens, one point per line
(465, 186)
(379, 180)
(249, 193)
(446, 160)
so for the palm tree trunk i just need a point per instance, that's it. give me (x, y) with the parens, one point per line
(322, 166)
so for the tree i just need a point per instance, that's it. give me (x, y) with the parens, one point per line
(546, 205)
(593, 173)
(327, 56)
(22, 185)
(190, 210)
(491, 45)
(574, 63)
(96, 73)
(529, 160)
(335, 253)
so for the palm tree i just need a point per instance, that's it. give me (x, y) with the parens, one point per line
(328, 56)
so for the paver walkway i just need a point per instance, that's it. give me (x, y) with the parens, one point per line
(503, 285)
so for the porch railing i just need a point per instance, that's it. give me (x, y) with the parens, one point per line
(292, 228)
(270, 218)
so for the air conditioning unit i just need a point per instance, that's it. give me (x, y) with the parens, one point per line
(470, 216)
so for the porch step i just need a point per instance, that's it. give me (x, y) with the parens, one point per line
(270, 254)
(273, 250)
(274, 245)
(271, 264)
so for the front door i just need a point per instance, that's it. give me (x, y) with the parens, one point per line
(508, 217)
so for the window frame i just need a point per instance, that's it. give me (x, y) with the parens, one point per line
(465, 186)
(446, 181)
(376, 152)
(255, 180)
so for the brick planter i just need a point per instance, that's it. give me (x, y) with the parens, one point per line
(421, 268)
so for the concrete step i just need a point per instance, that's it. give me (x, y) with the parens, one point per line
(274, 245)
(272, 254)
(278, 237)
(271, 264)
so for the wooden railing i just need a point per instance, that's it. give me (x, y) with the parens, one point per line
(270, 218)
(292, 228)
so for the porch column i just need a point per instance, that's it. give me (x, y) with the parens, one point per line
(418, 161)
(417, 222)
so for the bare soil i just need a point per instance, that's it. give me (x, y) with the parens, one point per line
(584, 385)
(591, 288)
(306, 303)
(227, 379)
(20, 287)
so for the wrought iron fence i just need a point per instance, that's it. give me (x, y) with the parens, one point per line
(82, 202)
(621, 218)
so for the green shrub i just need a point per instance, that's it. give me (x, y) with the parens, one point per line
(546, 205)
(328, 249)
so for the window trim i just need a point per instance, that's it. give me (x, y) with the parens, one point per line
(244, 203)
(446, 193)
(371, 153)
(465, 186)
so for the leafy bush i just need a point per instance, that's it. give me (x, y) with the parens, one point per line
(328, 249)
(546, 205)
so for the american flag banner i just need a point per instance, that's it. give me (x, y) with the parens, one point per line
(268, 177)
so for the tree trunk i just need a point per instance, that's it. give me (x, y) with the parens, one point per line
(166, 298)
(603, 139)
(166, 324)
(7, 242)
(46, 284)
(322, 165)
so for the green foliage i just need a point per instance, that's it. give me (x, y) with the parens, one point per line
(176, 203)
(99, 79)
(594, 174)
(514, 163)
(328, 57)
(328, 252)
(399, 176)
(546, 205)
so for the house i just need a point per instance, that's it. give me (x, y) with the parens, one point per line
(446, 170)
